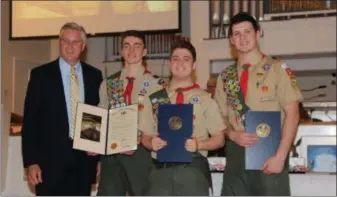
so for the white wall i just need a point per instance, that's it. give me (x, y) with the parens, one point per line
(29, 50)
(32, 51)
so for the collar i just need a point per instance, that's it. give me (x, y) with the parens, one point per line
(138, 75)
(173, 86)
(256, 60)
(66, 66)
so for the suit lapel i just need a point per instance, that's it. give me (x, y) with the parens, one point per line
(58, 89)
(85, 81)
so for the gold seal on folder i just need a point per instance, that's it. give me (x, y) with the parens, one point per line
(263, 130)
(113, 146)
(175, 123)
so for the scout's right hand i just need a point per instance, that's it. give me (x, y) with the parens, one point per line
(34, 174)
(157, 143)
(243, 138)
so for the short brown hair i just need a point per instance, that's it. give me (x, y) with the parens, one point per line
(133, 33)
(184, 44)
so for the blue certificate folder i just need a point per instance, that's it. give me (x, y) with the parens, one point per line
(175, 126)
(267, 125)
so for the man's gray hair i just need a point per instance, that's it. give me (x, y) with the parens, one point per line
(74, 26)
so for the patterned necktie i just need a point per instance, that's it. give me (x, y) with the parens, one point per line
(244, 79)
(75, 96)
(128, 90)
(180, 95)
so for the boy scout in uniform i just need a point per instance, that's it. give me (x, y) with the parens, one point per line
(172, 179)
(127, 171)
(261, 83)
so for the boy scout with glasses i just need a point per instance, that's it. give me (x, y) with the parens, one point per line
(261, 83)
(127, 172)
(172, 179)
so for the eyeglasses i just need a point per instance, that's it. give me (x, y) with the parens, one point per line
(70, 42)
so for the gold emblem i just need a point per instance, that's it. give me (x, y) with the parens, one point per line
(113, 146)
(175, 123)
(263, 130)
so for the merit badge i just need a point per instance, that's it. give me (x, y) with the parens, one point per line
(264, 88)
(154, 100)
(147, 83)
(266, 67)
(195, 99)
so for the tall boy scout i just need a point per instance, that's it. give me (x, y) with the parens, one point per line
(172, 179)
(255, 82)
(127, 171)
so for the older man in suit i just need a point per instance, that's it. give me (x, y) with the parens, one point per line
(54, 89)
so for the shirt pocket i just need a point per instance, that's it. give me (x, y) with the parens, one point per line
(268, 94)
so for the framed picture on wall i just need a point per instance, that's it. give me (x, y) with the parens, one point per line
(320, 153)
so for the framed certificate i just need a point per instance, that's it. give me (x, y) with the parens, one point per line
(105, 131)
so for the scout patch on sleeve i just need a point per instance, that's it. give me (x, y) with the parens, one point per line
(291, 75)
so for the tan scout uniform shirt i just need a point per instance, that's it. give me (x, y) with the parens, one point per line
(207, 116)
(140, 82)
(271, 86)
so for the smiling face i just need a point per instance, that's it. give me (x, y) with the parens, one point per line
(182, 64)
(133, 50)
(244, 37)
(71, 45)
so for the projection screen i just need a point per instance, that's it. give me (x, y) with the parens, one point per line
(45, 18)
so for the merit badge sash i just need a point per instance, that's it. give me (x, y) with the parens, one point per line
(232, 88)
(115, 90)
(158, 98)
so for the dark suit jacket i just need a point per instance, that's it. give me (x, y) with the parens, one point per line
(45, 131)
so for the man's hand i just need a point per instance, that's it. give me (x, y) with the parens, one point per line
(243, 138)
(98, 169)
(34, 174)
(273, 165)
(191, 145)
(157, 143)
(92, 154)
(128, 152)
(139, 140)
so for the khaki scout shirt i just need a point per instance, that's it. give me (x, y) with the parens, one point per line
(207, 116)
(271, 86)
(142, 81)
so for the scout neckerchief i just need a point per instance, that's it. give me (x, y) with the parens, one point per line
(115, 89)
(180, 94)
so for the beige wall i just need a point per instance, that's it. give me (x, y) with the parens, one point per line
(32, 51)
(312, 35)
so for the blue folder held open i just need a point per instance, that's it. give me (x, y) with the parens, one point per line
(175, 126)
(267, 125)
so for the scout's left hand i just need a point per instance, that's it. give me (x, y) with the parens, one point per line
(91, 154)
(273, 165)
(191, 145)
(128, 152)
